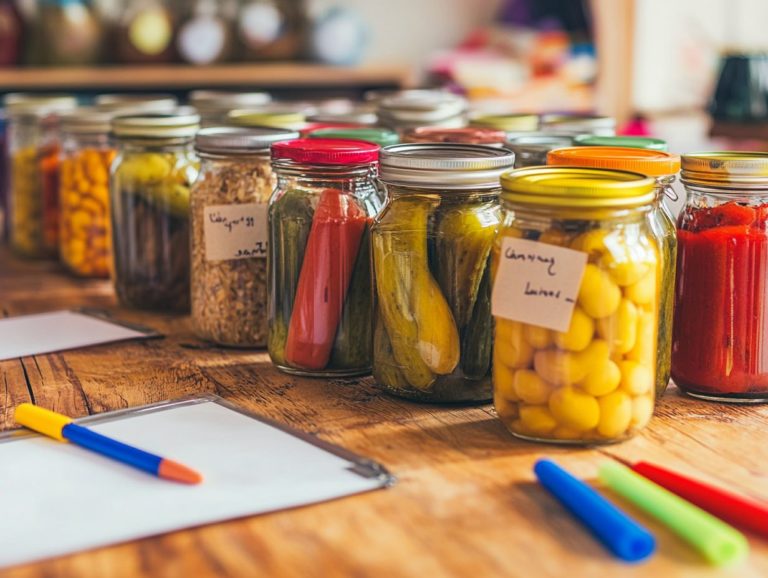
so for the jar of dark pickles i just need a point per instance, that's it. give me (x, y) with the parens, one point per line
(151, 178)
(663, 167)
(431, 259)
(720, 343)
(319, 301)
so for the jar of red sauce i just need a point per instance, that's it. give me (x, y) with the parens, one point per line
(720, 341)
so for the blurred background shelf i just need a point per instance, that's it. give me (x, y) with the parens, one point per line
(281, 76)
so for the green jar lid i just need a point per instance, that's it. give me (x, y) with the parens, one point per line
(634, 142)
(381, 136)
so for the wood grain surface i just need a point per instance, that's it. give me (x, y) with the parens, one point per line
(466, 503)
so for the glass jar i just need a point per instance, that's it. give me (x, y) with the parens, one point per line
(577, 124)
(720, 343)
(507, 122)
(411, 109)
(130, 102)
(66, 33)
(34, 144)
(151, 177)
(229, 234)
(214, 105)
(381, 136)
(480, 136)
(531, 150)
(319, 256)
(84, 227)
(431, 254)
(663, 167)
(575, 304)
(145, 32)
(634, 142)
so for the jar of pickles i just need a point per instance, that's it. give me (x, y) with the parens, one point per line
(575, 304)
(663, 167)
(229, 234)
(149, 189)
(467, 135)
(431, 259)
(214, 105)
(34, 146)
(319, 256)
(84, 227)
(720, 343)
(531, 150)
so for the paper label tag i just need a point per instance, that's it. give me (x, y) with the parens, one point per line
(235, 232)
(537, 283)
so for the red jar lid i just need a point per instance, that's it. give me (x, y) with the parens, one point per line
(326, 151)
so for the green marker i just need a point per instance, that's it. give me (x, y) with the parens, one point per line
(718, 542)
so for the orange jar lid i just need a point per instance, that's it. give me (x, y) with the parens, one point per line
(648, 162)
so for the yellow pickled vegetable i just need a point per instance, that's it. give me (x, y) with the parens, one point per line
(615, 414)
(538, 337)
(599, 296)
(579, 334)
(636, 379)
(620, 329)
(530, 388)
(559, 368)
(602, 378)
(504, 378)
(510, 345)
(537, 419)
(645, 290)
(574, 409)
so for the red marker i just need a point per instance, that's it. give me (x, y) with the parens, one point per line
(737, 510)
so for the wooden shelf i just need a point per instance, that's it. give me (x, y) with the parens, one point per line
(180, 77)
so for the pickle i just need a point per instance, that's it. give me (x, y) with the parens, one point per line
(476, 341)
(385, 368)
(400, 259)
(352, 346)
(290, 220)
(465, 236)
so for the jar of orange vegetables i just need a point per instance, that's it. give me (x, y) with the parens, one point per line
(84, 229)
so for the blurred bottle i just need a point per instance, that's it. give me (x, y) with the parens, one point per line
(272, 29)
(145, 32)
(65, 33)
(741, 93)
(206, 34)
(11, 33)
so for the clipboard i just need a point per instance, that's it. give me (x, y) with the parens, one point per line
(63, 499)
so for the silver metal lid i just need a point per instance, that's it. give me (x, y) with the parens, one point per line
(183, 122)
(429, 106)
(445, 166)
(87, 120)
(222, 100)
(137, 102)
(240, 141)
(539, 142)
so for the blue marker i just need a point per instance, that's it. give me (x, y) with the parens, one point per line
(617, 531)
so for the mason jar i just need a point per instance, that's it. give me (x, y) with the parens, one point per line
(319, 270)
(84, 225)
(576, 305)
(34, 143)
(720, 343)
(131, 102)
(410, 109)
(431, 261)
(229, 234)
(663, 168)
(151, 178)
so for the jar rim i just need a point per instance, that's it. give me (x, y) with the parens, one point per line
(182, 122)
(724, 169)
(240, 140)
(464, 135)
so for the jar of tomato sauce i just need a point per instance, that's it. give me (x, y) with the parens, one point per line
(663, 168)
(720, 342)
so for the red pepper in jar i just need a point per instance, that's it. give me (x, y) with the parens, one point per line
(334, 241)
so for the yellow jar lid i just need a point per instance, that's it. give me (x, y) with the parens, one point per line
(275, 119)
(577, 187)
(507, 122)
(749, 169)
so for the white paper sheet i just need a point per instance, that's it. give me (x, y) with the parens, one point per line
(57, 331)
(58, 498)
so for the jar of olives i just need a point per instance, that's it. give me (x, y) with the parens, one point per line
(34, 147)
(151, 178)
(663, 167)
(576, 304)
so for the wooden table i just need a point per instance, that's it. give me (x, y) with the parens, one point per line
(466, 503)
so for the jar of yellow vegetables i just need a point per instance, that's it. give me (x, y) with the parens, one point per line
(84, 229)
(576, 304)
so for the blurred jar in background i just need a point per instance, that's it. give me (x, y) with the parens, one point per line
(136, 102)
(11, 33)
(145, 32)
(214, 105)
(65, 33)
(33, 141)
(414, 108)
(84, 228)
(206, 34)
(272, 29)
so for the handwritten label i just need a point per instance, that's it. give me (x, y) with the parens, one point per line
(537, 283)
(235, 232)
